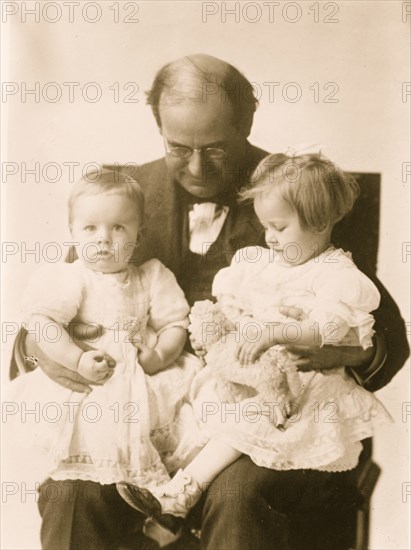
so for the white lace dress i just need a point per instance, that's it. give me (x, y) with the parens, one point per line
(135, 427)
(331, 414)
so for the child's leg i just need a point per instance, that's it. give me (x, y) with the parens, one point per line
(179, 495)
(211, 460)
(207, 464)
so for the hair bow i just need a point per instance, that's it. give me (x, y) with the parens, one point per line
(303, 149)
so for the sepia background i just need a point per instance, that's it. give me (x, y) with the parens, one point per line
(339, 74)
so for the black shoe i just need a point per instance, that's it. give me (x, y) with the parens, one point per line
(145, 502)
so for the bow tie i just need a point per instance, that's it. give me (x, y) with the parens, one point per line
(206, 220)
(228, 198)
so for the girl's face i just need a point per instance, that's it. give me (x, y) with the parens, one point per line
(105, 228)
(283, 232)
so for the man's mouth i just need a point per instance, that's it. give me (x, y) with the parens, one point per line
(206, 180)
(197, 183)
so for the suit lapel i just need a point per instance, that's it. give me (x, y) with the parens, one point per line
(242, 229)
(161, 237)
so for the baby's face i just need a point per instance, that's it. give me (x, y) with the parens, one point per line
(105, 228)
(284, 233)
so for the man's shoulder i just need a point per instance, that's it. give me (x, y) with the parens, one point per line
(147, 174)
(257, 153)
(155, 170)
(253, 155)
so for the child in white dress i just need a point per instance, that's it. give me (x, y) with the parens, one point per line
(324, 414)
(132, 424)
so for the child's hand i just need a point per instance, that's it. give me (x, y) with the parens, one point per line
(93, 366)
(248, 352)
(293, 312)
(149, 359)
(197, 347)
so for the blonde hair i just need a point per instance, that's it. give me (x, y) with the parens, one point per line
(311, 184)
(110, 181)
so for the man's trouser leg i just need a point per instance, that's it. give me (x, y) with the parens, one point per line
(252, 508)
(83, 515)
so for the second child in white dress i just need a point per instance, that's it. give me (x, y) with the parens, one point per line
(298, 200)
(131, 425)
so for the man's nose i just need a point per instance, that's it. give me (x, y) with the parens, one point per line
(195, 164)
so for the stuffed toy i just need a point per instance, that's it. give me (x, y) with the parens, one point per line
(272, 379)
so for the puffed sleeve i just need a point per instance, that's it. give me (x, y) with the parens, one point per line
(344, 300)
(228, 284)
(168, 306)
(54, 290)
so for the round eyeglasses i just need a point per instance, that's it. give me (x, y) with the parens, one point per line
(183, 152)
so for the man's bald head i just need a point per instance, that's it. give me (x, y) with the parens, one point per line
(200, 78)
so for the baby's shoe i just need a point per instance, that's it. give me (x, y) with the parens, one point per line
(167, 505)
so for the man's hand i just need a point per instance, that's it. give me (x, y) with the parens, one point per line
(66, 377)
(330, 357)
(93, 366)
(61, 375)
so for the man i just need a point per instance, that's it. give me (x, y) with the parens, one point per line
(204, 110)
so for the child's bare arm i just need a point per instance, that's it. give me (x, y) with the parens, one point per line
(169, 346)
(91, 364)
(302, 333)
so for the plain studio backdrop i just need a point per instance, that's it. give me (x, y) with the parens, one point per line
(334, 73)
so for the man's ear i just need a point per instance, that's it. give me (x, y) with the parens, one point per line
(246, 125)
